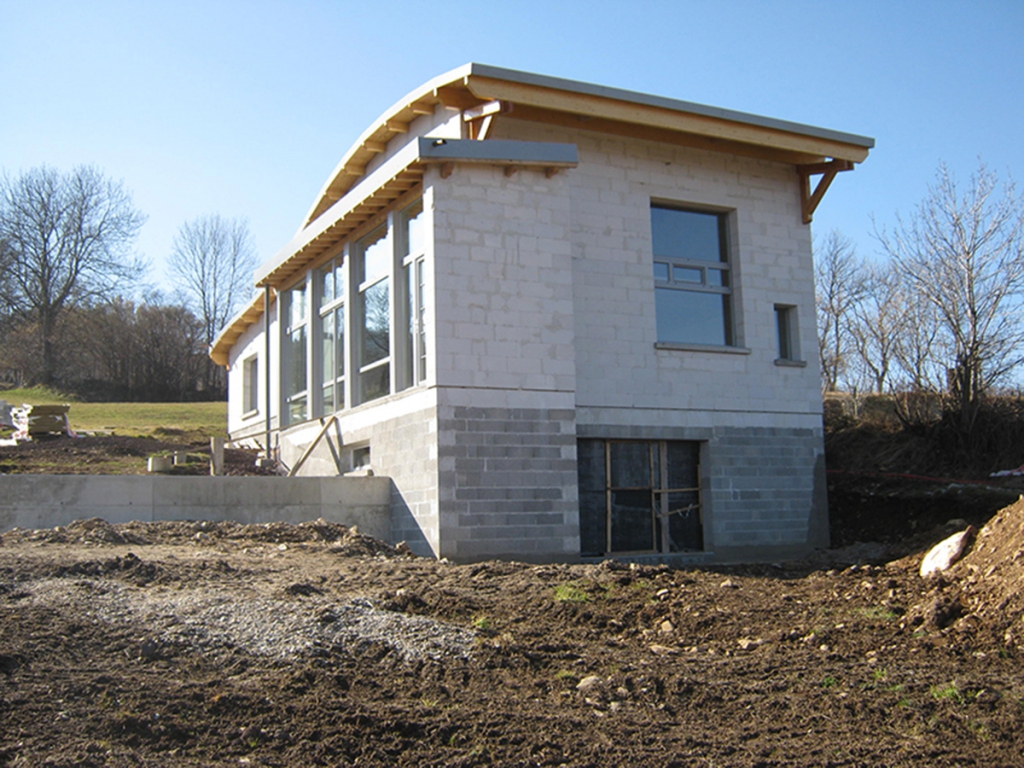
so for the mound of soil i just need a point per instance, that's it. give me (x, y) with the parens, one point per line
(178, 644)
(984, 592)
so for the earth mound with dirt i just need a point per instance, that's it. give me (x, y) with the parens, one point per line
(193, 643)
(984, 592)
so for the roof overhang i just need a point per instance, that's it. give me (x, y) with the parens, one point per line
(373, 195)
(401, 173)
(249, 314)
(351, 197)
(593, 107)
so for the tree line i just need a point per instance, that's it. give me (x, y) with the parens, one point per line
(940, 313)
(72, 314)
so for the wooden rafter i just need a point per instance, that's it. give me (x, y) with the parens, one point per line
(809, 200)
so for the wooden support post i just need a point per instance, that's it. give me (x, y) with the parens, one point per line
(216, 456)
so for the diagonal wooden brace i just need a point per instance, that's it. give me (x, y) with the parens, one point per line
(809, 200)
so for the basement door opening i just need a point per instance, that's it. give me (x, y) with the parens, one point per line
(639, 497)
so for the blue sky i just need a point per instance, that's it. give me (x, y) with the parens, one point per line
(244, 108)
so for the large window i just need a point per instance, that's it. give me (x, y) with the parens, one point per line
(639, 496)
(373, 258)
(413, 245)
(330, 287)
(296, 321)
(355, 330)
(692, 285)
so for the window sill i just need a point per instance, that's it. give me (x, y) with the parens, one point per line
(782, 363)
(251, 414)
(671, 345)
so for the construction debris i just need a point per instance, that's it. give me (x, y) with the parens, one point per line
(31, 420)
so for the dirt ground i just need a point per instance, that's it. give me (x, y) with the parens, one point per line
(116, 455)
(171, 644)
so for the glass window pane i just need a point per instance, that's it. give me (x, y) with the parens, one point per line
(632, 521)
(690, 317)
(421, 298)
(684, 524)
(339, 331)
(690, 235)
(325, 283)
(297, 306)
(683, 461)
(376, 323)
(376, 254)
(339, 279)
(415, 228)
(296, 362)
(590, 465)
(327, 348)
(630, 465)
(783, 318)
(250, 384)
(375, 382)
(406, 370)
(688, 275)
(329, 406)
(297, 410)
(661, 271)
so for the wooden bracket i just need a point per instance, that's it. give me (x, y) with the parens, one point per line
(480, 118)
(809, 200)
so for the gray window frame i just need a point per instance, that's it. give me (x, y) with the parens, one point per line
(724, 267)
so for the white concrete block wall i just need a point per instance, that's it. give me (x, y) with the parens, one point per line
(616, 360)
(251, 343)
(503, 280)
(506, 367)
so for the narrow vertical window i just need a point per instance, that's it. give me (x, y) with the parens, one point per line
(785, 325)
(250, 385)
(413, 245)
(374, 320)
(296, 395)
(692, 277)
(331, 288)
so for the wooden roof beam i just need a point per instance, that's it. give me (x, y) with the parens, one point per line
(653, 116)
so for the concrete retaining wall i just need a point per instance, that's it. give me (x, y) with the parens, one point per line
(45, 501)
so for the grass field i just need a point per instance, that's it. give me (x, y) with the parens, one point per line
(191, 421)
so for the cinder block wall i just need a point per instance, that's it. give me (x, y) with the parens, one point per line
(761, 422)
(767, 492)
(401, 431)
(506, 371)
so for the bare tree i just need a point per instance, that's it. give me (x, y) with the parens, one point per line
(964, 253)
(879, 321)
(213, 260)
(839, 284)
(67, 238)
(920, 346)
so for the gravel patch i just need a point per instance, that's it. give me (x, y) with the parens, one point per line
(215, 619)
